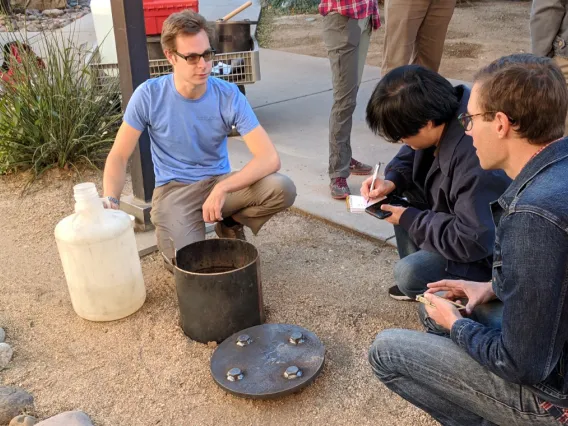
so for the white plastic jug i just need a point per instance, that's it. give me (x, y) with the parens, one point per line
(98, 251)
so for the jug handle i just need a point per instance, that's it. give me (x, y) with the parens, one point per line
(173, 260)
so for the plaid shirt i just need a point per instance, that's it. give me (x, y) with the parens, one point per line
(356, 9)
(560, 414)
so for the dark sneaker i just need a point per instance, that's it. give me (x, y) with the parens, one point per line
(232, 232)
(358, 168)
(339, 188)
(396, 294)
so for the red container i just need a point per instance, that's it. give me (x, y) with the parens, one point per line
(156, 12)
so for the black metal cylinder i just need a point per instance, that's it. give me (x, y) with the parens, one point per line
(218, 288)
(232, 36)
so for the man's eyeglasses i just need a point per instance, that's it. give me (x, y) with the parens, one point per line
(194, 58)
(466, 120)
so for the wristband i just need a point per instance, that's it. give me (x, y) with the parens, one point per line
(114, 200)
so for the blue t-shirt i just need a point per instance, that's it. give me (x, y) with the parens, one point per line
(189, 136)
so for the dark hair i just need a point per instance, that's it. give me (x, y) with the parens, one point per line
(530, 90)
(186, 22)
(406, 99)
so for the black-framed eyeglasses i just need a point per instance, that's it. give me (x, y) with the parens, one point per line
(194, 58)
(466, 120)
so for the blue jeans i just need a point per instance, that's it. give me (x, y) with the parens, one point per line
(440, 378)
(416, 268)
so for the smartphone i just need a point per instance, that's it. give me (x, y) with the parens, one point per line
(393, 200)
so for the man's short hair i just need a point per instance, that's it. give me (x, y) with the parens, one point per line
(186, 22)
(406, 99)
(530, 90)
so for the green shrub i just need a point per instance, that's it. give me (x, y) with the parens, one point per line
(55, 114)
(293, 6)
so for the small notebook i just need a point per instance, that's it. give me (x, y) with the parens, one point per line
(356, 203)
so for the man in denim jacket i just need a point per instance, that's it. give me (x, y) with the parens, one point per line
(513, 371)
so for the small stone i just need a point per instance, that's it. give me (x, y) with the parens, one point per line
(23, 421)
(2, 335)
(69, 418)
(32, 18)
(33, 28)
(52, 13)
(310, 19)
(6, 353)
(12, 402)
(32, 12)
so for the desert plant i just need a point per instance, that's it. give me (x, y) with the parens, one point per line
(293, 6)
(54, 112)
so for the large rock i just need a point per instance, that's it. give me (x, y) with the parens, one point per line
(12, 402)
(6, 353)
(69, 418)
(39, 4)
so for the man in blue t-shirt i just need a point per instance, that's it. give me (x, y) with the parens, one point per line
(188, 117)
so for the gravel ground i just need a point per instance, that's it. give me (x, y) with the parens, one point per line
(143, 370)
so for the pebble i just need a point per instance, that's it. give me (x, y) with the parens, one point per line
(12, 402)
(23, 421)
(51, 19)
(6, 353)
(69, 418)
(310, 19)
(2, 335)
(52, 13)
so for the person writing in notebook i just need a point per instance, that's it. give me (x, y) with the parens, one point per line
(448, 231)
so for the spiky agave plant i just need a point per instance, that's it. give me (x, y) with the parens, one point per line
(53, 111)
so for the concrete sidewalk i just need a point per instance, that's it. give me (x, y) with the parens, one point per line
(292, 102)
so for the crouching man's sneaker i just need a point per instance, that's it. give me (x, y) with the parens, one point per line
(234, 232)
(339, 188)
(396, 294)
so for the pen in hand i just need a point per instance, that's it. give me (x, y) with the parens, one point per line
(377, 168)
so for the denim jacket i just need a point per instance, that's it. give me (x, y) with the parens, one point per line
(530, 277)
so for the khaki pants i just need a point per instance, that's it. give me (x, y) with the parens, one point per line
(563, 64)
(347, 43)
(176, 208)
(415, 32)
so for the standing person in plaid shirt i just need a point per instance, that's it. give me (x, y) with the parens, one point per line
(415, 32)
(347, 27)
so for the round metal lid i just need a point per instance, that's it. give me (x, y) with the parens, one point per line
(268, 361)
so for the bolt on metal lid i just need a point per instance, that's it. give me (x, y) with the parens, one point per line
(268, 361)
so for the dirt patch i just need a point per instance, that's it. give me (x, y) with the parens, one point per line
(479, 33)
(461, 49)
(142, 370)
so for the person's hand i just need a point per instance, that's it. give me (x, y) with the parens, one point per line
(109, 203)
(444, 313)
(214, 204)
(477, 293)
(381, 188)
(396, 211)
